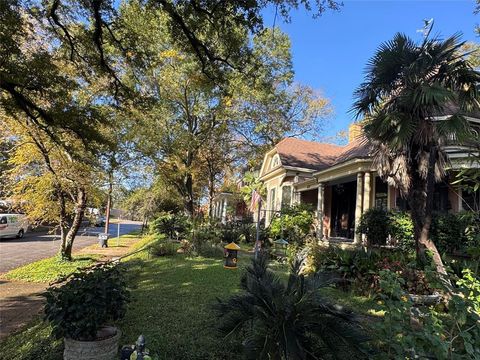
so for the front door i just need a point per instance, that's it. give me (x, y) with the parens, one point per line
(343, 210)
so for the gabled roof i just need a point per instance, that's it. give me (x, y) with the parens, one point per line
(318, 156)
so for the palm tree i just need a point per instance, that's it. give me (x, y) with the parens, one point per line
(407, 87)
(288, 320)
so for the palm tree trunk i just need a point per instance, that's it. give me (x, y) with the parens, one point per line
(421, 205)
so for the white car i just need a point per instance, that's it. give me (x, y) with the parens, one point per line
(12, 225)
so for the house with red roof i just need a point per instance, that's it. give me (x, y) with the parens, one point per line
(341, 183)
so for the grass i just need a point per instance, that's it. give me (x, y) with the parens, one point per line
(33, 343)
(50, 269)
(171, 305)
(53, 268)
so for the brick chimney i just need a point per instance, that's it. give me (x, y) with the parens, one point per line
(355, 130)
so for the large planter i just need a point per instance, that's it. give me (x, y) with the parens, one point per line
(425, 299)
(102, 349)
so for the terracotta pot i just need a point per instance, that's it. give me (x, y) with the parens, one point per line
(106, 348)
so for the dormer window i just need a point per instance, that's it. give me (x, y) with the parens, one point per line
(275, 161)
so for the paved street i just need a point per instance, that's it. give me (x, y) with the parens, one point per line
(35, 246)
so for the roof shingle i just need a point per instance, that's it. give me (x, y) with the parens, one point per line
(318, 156)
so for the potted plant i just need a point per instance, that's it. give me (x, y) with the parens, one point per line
(83, 308)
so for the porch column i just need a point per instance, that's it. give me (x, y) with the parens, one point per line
(224, 211)
(367, 191)
(358, 207)
(320, 210)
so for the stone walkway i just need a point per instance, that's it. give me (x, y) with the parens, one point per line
(21, 301)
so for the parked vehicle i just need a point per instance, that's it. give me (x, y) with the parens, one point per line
(100, 221)
(12, 225)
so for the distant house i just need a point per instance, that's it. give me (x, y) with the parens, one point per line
(341, 183)
(228, 207)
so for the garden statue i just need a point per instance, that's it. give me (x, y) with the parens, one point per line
(136, 352)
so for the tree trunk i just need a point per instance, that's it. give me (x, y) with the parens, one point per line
(421, 205)
(69, 237)
(189, 208)
(211, 194)
(424, 240)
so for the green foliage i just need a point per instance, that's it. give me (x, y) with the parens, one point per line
(163, 248)
(171, 224)
(360, 269)
(401, 230)
(412, 332)
(456, 232)
(374, 223)
(293, 224)
(210, 251)
(290, 320)
(172, 307)
(87, 301)
(145, 203)
(378, 224)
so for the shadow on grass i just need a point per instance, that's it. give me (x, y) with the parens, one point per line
(172, 306)
(32, 343)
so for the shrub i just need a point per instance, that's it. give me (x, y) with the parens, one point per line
(378, 225)
(247, 232)
(206, 233)
(163, 248)
(87, 301)
(230, 233)
(374, 223)
(293, 224)
(408, 332)
(448, 232)
(288, 320)
(170, 224)
(401, 230)
(210, 250)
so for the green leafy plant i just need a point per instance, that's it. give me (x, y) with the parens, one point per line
(88, 300)
(401, 230)
(374, 223)
(379, 225)
(163, 248)
(170, 224)
(410, 332)
(289, 320)
(293, 224)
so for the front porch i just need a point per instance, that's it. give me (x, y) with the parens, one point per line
(340, 202)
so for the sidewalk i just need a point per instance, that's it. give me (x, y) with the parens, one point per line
(21, 301)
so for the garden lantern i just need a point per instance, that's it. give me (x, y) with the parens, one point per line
(231, 254)
(280, 247)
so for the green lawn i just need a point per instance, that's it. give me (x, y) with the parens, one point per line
(53, 268)
(50, 269)
(171, 305)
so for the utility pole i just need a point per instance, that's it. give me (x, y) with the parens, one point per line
(109, 202)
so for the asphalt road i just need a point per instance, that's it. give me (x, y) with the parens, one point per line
(39, 245)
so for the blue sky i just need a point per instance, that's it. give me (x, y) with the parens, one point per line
(330, 52)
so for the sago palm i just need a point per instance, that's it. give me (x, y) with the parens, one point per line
(414, 99)
(291, 320)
